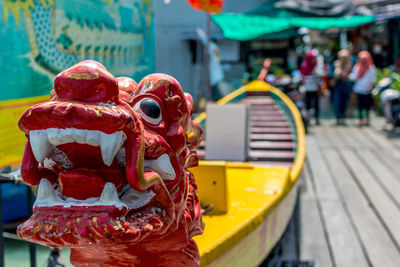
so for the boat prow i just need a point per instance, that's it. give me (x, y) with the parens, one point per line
(251, 202)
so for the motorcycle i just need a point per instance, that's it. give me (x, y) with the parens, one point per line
(389, 99)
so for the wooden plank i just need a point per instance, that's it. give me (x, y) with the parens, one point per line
(270, 130)
(272, 137)
(270, 124)
(320, 139)
(265, 112)
(267, 118)
(361, 139)
(388, 178)
(324, 137)
(324, 186)
(263, 108)
(351, 140)
(272, 145)
(381, 142)
(375, 194)
(251, 94)
(333, 136)
(313, 243)
(342, 238)
(375, 240)
(258, 101)
(272, 155)
(386, 149)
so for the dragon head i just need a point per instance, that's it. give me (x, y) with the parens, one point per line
(110, 157)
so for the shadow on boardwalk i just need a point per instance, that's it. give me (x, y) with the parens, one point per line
(350, 200)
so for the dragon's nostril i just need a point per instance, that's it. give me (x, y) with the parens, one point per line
(87, 81)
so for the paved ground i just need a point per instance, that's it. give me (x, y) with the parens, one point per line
(350, 197)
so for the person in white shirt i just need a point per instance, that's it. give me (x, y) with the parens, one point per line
(364, 75)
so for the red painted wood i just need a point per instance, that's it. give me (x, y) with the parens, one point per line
(268, 118)
(259, 93)
(263, 107)
(272, 137)
(270, 130)
(270, 124)
(258, 101)
(271, 145)
(266, 112)
(272, 155)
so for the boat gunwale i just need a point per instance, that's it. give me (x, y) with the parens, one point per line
(210, 254)
(260, 86)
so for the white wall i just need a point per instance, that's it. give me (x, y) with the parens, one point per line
(175, 23)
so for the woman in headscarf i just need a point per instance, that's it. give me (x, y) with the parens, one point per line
(364, 75)
(342, 88)
(312, 82)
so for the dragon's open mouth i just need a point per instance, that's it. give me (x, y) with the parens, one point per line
(90, 182)
(58, 149)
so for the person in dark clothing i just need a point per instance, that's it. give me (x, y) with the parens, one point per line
(342, 88)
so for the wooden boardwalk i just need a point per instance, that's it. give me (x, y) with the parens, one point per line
(350, 197)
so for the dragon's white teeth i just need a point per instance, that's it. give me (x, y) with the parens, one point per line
(79, 135)
(40, 144)
(93, 138)
(162, 165)
(109, 194)
(53, 136)
(46, 192)
(134, 199)
(43, 140)
(109, 145)
(49, 197)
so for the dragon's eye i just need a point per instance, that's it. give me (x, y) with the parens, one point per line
(149, 110)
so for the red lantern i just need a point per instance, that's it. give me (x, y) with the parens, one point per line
(210, 6)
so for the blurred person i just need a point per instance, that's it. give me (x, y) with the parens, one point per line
(264, 71)
(312, 81)
(386, 99)
(342, 87)
(364, 76)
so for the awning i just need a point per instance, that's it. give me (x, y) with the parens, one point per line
(245, 27)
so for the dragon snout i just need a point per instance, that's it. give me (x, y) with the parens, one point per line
(87, 81)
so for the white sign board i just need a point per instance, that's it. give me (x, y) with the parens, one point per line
(227, 132)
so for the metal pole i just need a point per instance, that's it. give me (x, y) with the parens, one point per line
(1, 232)
(32, 247)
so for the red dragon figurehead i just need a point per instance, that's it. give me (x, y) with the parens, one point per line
(110, 157)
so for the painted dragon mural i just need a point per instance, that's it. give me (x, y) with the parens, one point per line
(44, 37)
(110, 157)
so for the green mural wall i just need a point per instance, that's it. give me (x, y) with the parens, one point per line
(40, 38)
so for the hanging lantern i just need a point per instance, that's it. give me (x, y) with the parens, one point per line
(210, 6)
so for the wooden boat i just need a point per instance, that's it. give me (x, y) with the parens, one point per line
(252, 201)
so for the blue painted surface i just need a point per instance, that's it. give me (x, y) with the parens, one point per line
(14, 202)
(41, 39)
